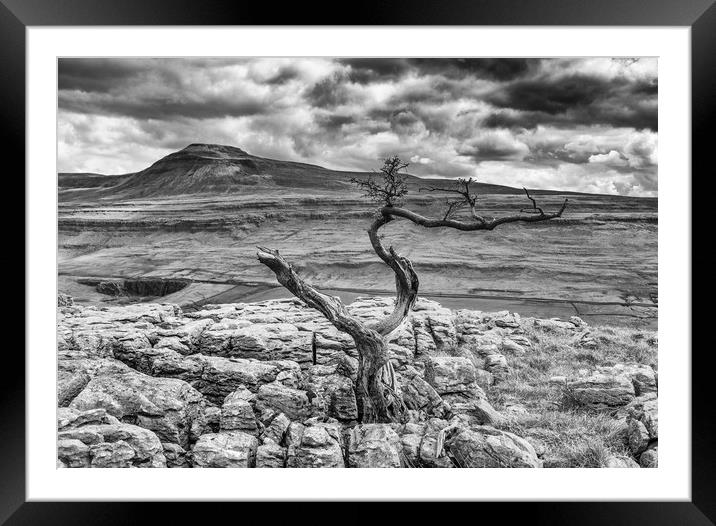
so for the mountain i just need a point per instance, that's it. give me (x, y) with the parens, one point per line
(219, 169)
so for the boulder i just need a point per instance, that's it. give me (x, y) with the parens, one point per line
(475, 407)
(169, 363)
(431, 452)
(601, 391)
(512, 347)
(433, 327)
(554, 325)
(221, 376)
(176, 456)
(108, 444)
(506, 320)
(91, 366)
(73, 453)
(237, 413)
(487, 447)
(645, 410)
(642, 376)
(335, 389)
(450, 374)
(117, 454)
(496, 364)
(85, 435)
(276, 430)
(69, 418)
(270, 455)
(69, 385)
(276, 398)
(374, 446)
(230, 449)
(317, 445)
(182, 335)
(638, 437)
(170, 408)
(419, 395)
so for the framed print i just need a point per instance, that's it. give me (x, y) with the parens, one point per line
(437, 243)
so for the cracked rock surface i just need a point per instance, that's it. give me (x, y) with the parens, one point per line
(239, 385)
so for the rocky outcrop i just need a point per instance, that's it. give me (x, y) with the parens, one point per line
(272, 385)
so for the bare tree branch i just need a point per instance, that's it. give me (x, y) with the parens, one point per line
(462, 188)
(330, 306)
(452, 207)
(535, 209)
(469, 226)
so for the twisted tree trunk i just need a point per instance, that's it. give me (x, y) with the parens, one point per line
(377, 392)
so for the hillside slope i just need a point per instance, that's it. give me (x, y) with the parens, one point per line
(219, 169)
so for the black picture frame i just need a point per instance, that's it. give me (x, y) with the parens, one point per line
(699, 15)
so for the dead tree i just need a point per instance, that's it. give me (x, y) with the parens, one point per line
(377, 393)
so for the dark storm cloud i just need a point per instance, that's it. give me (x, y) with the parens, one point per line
(485, 68)
(493, 147)
(334, 122)
(366, 70)
(96, 75)
(103, 75)
(161, 108)
(283, 76)
(569, 123)
(329, 92)
(550, 96)
(575, 99)
(489, 152)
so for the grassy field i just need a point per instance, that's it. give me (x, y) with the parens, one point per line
(542, 410)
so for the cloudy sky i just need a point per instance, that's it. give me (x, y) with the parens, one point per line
(571, 124)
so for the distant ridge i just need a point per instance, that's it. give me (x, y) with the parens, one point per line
(220, 169)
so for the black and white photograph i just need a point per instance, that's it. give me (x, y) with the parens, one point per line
(356, 262)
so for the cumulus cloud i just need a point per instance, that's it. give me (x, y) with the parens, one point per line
(575, 124)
